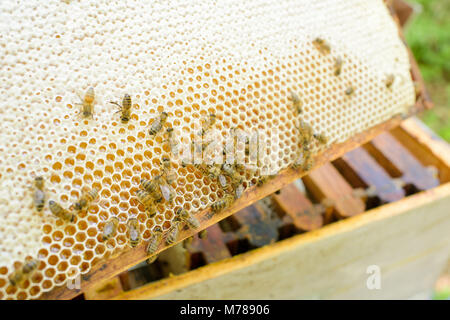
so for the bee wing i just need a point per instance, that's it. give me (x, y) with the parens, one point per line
(222, 180)
(79, 95)
(134, 234)
(165, 190)
(194, 222)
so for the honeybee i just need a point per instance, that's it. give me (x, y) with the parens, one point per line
(16, 277)
(230, 170)
(203, 234)
(208, 124)
(26, 270)
(152, 259)
(389, 80)
(223, 203)
(214, 171)
(166, 164)
(153, 242)
(322, 45)
(337, 66)
(172, 141)
(87, 104)
(172, 234)
(306, 132)
(39, 194)
(190, 220)
(247, 145)
(202, 167)
(152, 187)
(60, 212)
(308, 163)
(222, 180)
(124, 108)
(109, 230)
(239, 191)
(298, 162)
(296, 102)
(321, 137)
(264, 179)
(167, 192)
(303, 155)
(151, 210)
(134, 233)
(86, 198)
(158, 123)
(349, 91)
(146, 200)
(168, 173)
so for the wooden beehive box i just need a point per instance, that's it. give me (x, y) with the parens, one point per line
(406, 236)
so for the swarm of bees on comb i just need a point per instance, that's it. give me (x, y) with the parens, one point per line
(158, 190)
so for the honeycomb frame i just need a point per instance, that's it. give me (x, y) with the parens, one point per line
(44, 135)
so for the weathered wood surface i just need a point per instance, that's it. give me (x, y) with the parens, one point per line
(299, 208)
(426, 147)
(105, 290)
(257, 226)
(327, 183)
(394, 156)
(363, 171)
(213, 247)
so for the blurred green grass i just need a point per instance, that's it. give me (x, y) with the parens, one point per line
(428, 35)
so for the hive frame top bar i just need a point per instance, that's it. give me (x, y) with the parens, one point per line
(77, 163)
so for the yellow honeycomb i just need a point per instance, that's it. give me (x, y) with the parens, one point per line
(237, 59)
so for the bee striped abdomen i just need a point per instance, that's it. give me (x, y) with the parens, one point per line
(110, 228)
(126, 107)
(39, 199)
(134, 233)
(158, 123)
(86, 198)
(87, 108)
(60, 212)
(153, 243)
(190, 220)
(222, 204)
(172, 235)
(39, 194)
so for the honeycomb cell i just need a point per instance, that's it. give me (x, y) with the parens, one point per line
(62, 266)
(60, 278)
(65, 254)
(57, 235)
(34, 291)
(75, 260)
(53, 260)
(80, 236)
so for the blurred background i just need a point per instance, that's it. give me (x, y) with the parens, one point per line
(428, 34)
